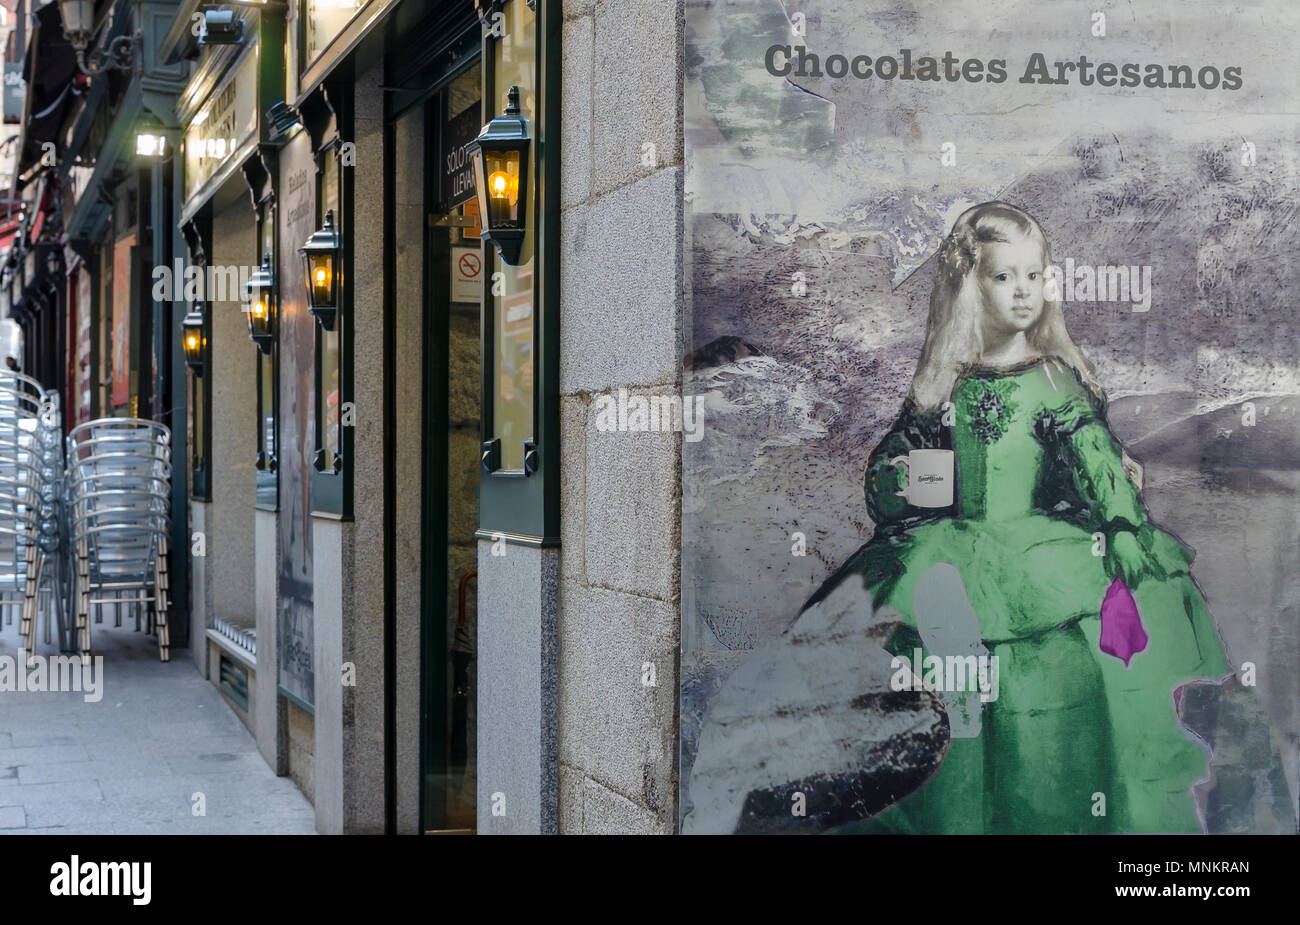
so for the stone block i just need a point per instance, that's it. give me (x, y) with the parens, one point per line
(638, 80)
(573, 486)
(620, 271)
(578, 41)
(633, 524)
(570, 800)
(517, 690)
(615, 727)
(608, 813)
(30, 795)
(575, 8)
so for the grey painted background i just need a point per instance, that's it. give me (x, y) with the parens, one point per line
(844, 182)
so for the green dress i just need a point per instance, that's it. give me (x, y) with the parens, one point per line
(1075, 741)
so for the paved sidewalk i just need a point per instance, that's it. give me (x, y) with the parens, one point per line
(133, 762)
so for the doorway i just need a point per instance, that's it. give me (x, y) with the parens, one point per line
(451, 430)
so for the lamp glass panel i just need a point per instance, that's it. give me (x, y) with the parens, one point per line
(502, 168)
(320, 270)
(514, 59)
(150, 144)
(259, 311)
(78, 15)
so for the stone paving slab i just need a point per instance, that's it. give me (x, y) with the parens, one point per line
(132, 762)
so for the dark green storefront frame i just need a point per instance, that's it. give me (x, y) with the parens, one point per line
(518, 508)
(521, 509)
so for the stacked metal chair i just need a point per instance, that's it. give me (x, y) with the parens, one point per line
(119, 496)
(32, 525)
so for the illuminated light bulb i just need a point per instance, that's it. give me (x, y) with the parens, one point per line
(192, 342)
(498, 183)
(259, 309)
(322, 276)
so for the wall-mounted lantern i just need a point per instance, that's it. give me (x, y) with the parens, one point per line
(321, 260)
(260, 290)
(500, 156)
(221, 27)
(151, 141)
(78, 17)
(193, 339)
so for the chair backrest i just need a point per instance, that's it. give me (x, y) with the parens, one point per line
(119, 494)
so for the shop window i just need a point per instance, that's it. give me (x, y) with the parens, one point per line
(333, 410)
(519, 494)
(323, 20)
(514, 60)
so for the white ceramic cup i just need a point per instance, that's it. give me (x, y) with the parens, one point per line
(929, 477)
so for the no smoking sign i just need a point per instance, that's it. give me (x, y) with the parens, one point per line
(466, 274)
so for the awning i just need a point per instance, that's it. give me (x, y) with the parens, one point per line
(53, 84)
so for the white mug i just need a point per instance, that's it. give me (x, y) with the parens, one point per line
(929, 477)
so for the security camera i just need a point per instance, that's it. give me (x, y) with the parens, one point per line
(221, 27)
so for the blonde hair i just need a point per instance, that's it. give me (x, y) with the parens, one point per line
(953, 339)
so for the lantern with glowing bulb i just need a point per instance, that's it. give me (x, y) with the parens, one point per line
(260, 289)
(500, 157)
(321, 261)
(193, 339)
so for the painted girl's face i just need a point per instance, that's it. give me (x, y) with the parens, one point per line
(1011, 284)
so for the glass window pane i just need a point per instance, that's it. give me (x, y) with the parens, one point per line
(325, 20)
(329, 377)
(200, 444)
(266, 403)
(329, 188)
(268, 234)
(514, 60)
(513, 388)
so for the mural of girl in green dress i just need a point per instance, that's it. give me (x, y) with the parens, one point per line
(1024, 539)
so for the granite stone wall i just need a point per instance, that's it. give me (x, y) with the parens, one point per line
(621, 326)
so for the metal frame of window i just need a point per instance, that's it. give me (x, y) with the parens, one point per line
(438, 42)
(332, 488)
(312, 74)
(519, 507)
(198, 234)
(267, 465)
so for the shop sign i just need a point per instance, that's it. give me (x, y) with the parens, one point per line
(221, 127)
(457, 167)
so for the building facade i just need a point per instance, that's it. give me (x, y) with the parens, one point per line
(439, 598)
